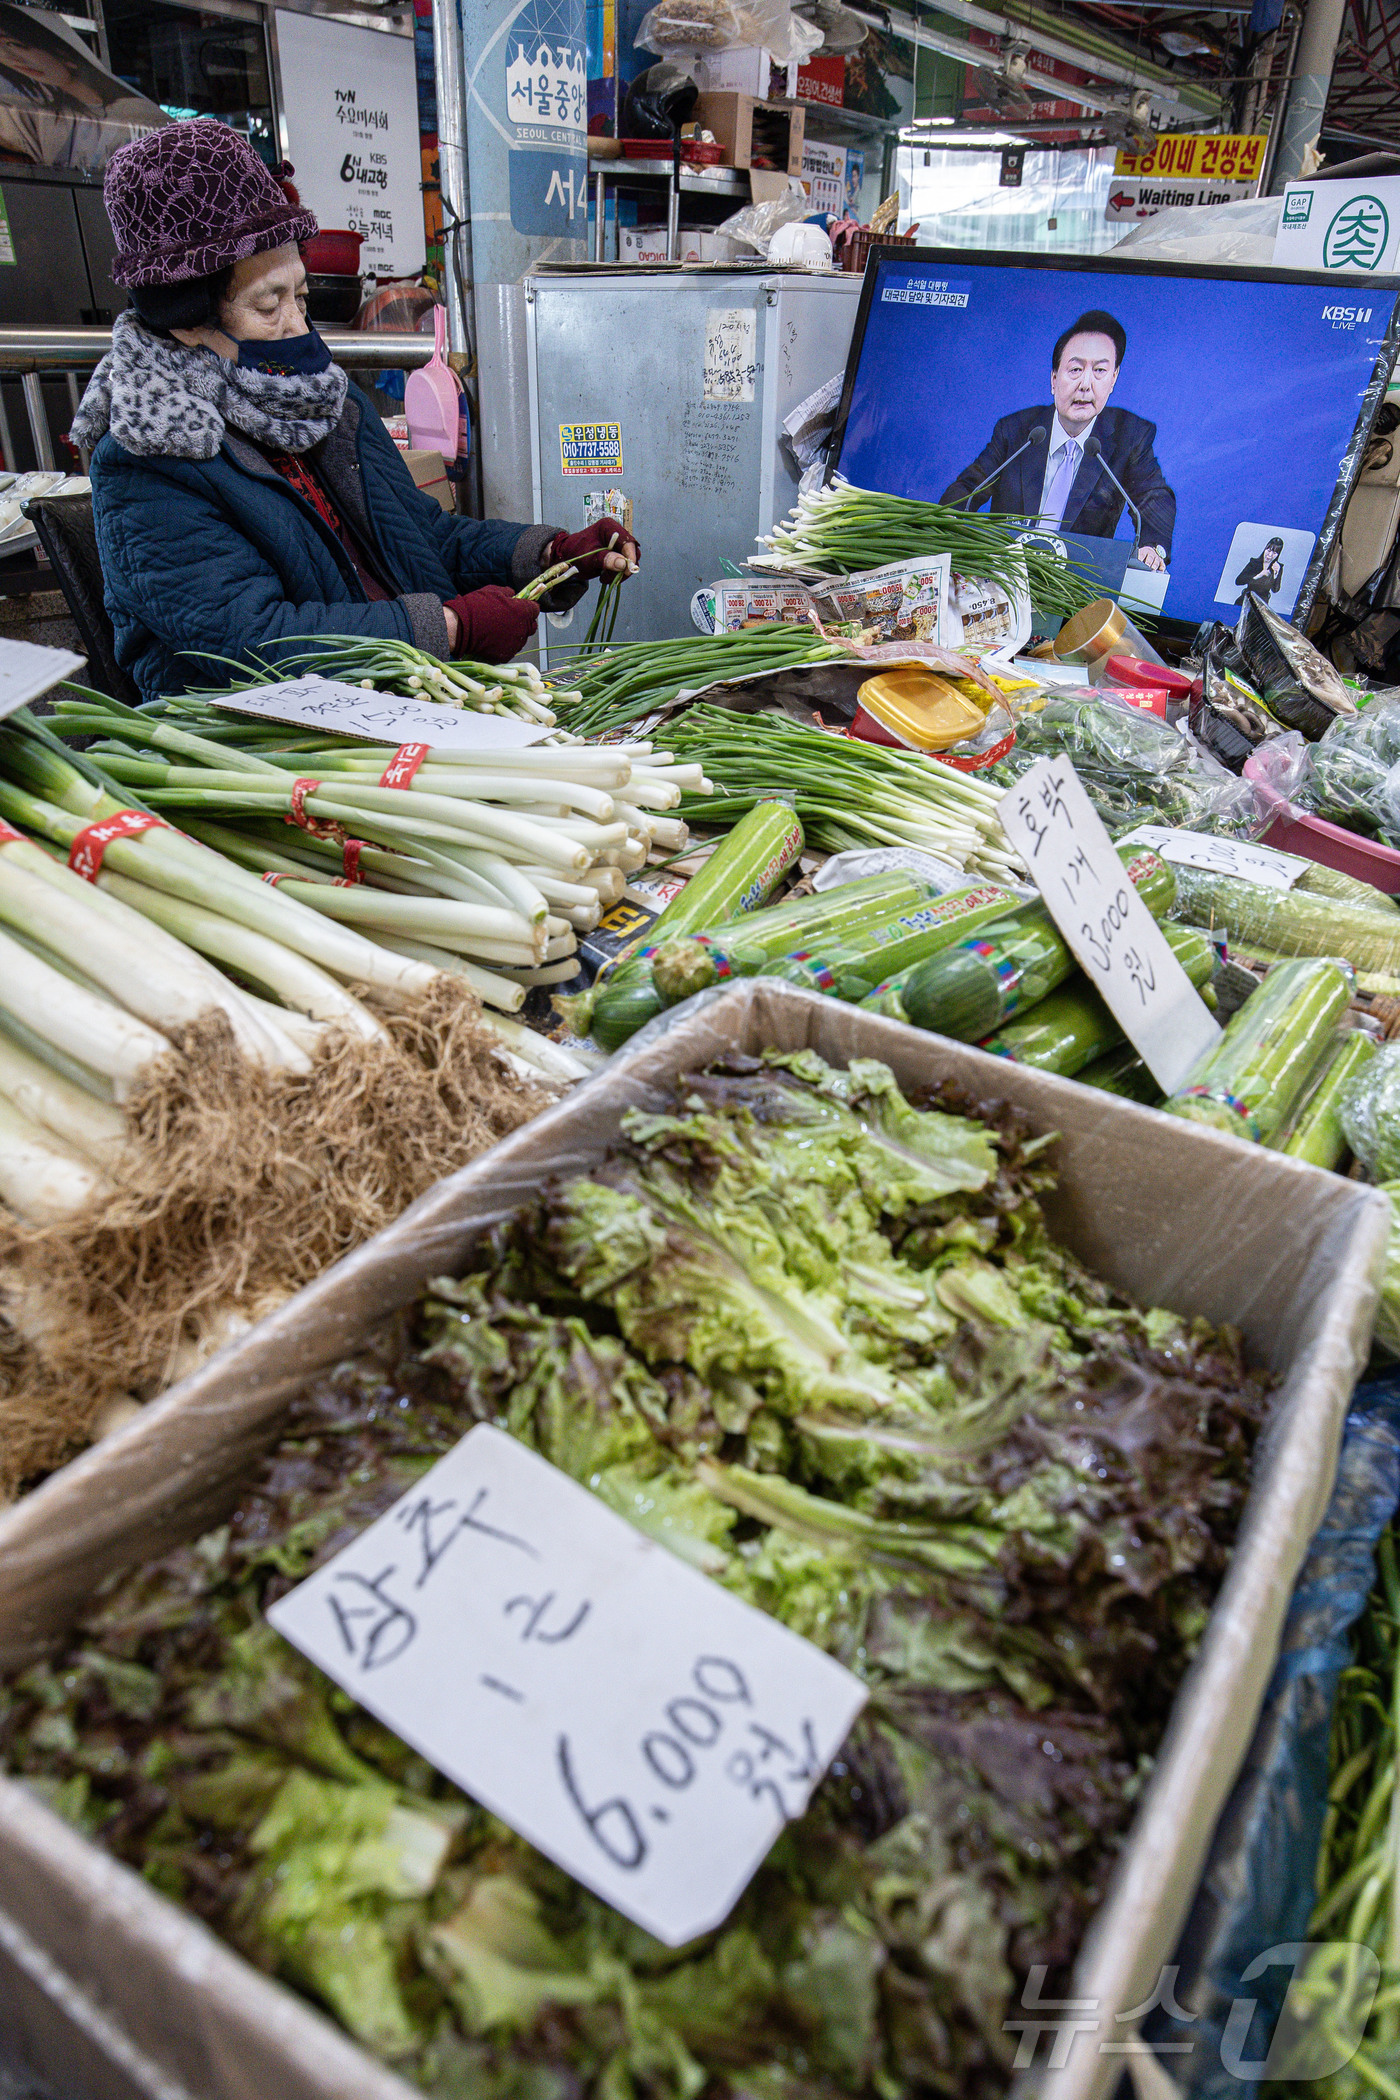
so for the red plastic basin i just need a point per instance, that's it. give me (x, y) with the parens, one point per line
(1332, 847)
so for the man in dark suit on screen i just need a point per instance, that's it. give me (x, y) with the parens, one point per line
(1058, 464)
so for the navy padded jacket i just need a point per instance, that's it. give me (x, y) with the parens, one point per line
(222, 558)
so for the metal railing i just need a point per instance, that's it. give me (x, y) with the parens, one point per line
(28, 353)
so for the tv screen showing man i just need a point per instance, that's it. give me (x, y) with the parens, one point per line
(1075, 464)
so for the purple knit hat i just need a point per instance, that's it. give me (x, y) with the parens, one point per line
(189, 199)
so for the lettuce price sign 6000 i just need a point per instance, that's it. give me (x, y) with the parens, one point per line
(642, 1727)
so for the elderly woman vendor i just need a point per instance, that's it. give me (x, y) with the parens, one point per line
(244, 491)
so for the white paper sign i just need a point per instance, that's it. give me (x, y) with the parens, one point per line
(1122, 950)
(731, 353)
(380, 718)
(622, 1712)
(1352, 226)
(27, 670)
(1192, 849)
(352, 133)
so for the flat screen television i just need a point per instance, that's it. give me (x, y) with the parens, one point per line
(1218, 415)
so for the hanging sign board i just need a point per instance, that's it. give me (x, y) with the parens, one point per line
(1350, 226)
(352, 135)
(650, 1733)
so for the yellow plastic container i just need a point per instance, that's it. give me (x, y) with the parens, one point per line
(914, 709)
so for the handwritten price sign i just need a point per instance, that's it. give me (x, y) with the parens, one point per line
(1196, 849)
(1053, 825)
(380, 718)
(622, 1712)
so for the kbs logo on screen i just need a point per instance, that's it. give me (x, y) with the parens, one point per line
(1347, 316)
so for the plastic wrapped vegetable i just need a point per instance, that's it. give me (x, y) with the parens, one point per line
(1388, 1310)
(1314, 1131)
(1228, 717)
(855, 967)
(1370, 1114)
(1288, 922)
(1073, 1027)
(1247, 1085)
(1010, 964)
(1346, 774)
(1135, 769)
(690, 963)
(740, 875)
(1122, 1072)
(1296, 682)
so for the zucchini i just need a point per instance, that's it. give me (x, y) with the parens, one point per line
(853, 969)
(683, 965)
(1073, 1026)
(1122, 1072)
(1314, 1131)
(1289, 922)
(1319, 881)
(1012, 963)
(1247, 1085)
(743, 871)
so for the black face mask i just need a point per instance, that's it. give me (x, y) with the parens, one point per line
(289, 357)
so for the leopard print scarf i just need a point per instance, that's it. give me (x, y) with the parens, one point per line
(160, 400)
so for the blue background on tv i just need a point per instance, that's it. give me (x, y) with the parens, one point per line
(1254, 394)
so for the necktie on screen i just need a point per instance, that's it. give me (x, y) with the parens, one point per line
(1057, 495)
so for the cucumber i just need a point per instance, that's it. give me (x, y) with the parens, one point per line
(1013, 962)
(1073, 1026)
(854, 969)
(1247, 1085)
(689, 963)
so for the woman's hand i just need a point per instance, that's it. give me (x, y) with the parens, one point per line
(606, 548)
(492, 623)
(454, 629)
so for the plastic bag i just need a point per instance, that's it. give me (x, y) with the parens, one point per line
(721, 25)
(756, 224)
(1278, 771)
(1296, 682)
(1257, 1890)
(1136, 769)
(1347, 773)
(687, 25)
(1371, 1114)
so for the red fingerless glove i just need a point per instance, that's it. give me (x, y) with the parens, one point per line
(495, 623)
(589, 549)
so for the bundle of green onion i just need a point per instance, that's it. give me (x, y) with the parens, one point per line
(486, 864)
(627, 684)
(387, 667)
(847, 793)
(208, 1093)
(842, 530)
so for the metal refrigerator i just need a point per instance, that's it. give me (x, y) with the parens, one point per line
(671, 386)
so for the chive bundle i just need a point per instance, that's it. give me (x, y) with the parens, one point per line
(847, 793)
(843, 530)
(627, 684)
